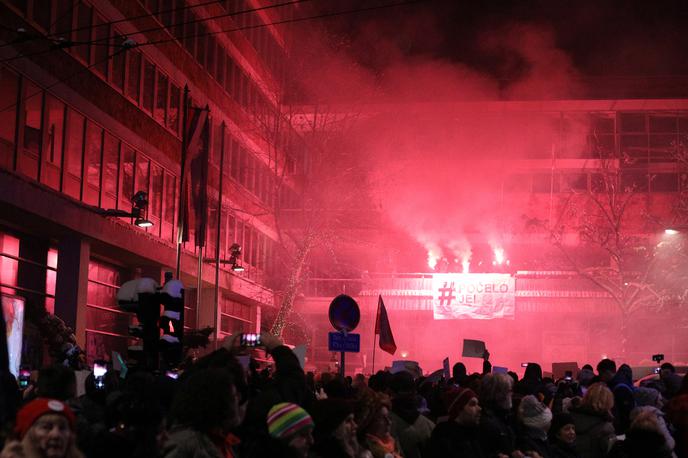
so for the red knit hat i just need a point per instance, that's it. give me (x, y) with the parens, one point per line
(35, 409)
(456, 399)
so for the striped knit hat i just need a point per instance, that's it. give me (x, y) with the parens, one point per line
(286, 419)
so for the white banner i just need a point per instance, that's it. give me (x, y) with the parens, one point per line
(476, 296)
(13, 311)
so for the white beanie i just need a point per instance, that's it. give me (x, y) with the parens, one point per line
(534, 414)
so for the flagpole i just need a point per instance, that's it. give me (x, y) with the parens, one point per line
(219, 229)
(377, 317)
(374, 345)
(182, 183)
(204, 217)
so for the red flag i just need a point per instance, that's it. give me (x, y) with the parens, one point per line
(383, 329)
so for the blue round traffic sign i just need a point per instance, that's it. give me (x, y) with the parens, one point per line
(344, 313)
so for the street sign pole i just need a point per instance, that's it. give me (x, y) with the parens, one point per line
(341, 361)
(344, 315)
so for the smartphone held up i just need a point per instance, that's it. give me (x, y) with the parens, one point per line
(250, 340)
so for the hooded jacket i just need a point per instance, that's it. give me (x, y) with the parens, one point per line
(594, 433)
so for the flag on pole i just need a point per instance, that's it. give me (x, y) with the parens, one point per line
(382, 328)
(199, 183)
(195, 181)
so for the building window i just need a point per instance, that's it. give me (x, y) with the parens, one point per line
(41, 269)
(94, 142)
(148, 85)
(634, 181)
(101, 34)
(107, 327)
(9, 92)
(173, 111)
(32, 133)
(664, 182)
(575, 181)
(127, 173)
(142, 173)
(235, 317)
(63, 24)
(9, 263)
(134, 75)
(52, 155)
(73, 154)
(161, 100)
(169, 206)
(110, 171)
(118, 61)
(156, 195)
(83, 32)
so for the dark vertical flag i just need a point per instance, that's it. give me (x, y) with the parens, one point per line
(194, 175)
(199, 184)
(383, 329)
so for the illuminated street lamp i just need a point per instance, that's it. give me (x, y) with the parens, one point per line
(139, 207)
(235, 251)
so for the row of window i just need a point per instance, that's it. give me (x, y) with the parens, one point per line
(133, 74)
(97, 43)
(61, 148)
(235, 317)
(10, 262)
(631, 180)
(194, 35)
(636, 137)
(259, 36)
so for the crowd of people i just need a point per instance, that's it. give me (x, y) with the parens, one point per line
(216, 408)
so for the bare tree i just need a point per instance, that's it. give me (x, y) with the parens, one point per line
(315, 180)
(619, 248)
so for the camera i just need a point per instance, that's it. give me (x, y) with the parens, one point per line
(99, 371)
(24, 377)
(568, 376)
(250, 340)
(658, 358)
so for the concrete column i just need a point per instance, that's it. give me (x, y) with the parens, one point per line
(32, 276)
(72, 284)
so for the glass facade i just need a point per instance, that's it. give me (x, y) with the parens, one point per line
(107, 327)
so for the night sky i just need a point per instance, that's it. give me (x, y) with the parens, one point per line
(602, 38)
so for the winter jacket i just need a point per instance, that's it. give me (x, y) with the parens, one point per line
(594, 433)
(641, 443)
(496, 432)
(559, 449)
(449, 439)
(533, 440)
(411, 430)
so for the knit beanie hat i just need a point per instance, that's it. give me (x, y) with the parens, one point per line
(645, 396)
(286, 419)
(455, 399)
(534, 414)
(328, 414)
(559, 421)
(35, 409)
